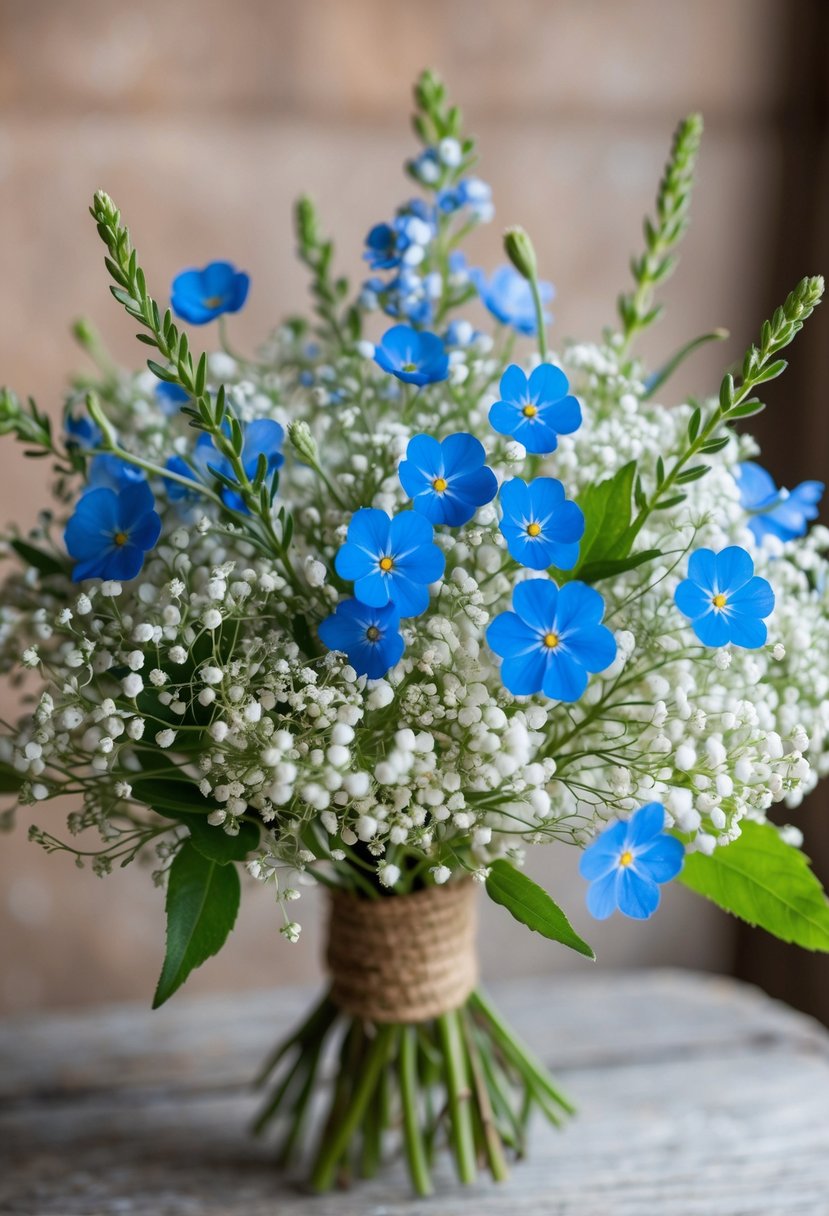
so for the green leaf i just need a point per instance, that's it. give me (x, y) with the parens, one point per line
(202, 903)
(765, 882)
(215, 844)
(607, 569)
(607, 510)
(170, 797)
(532, 906)
(10, 779)
(747, 410)
(44, 563)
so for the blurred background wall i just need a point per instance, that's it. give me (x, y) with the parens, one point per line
(204, 119)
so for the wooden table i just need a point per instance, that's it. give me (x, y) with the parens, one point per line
(697, 1097)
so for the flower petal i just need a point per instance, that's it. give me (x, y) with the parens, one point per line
(755, 598)
(602, 896)
(702, 569)
(662, 860)
(508, 635)
(593, 648)
(645, 824)
(548, 383)
(565, 679)
(535, 602)
(734, 568)
(523, 674)
(578, 607)
(691, 600)
(747, 631)
(638, 896)
(514, 386)
(603, 854)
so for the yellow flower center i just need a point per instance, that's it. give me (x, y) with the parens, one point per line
(719, 601)
(211, 302)
(626, 859)
(372, 633)
(409, 367)
(120, 538)
(386, 564)
(530, 411)
(533, 529)
(551, 640)
(439, 484)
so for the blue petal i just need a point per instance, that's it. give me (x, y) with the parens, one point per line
(546, 495)
(462, 453)
(645, 824)
(691, 600)
(514, 497)
(593, 648)
(747, 632)
(579, 606)
(508, 635)
(504, 417)
(536, 436)
(638, 896)
(146, 531)
(535, 602)
(702, 569)
(353, 562)
(713, 629)
(602, 898)
(264, 436)
(523, 675)
(369, 528)
(514, 385)
(662, 860)
(734, 569)
(566, 524)
(410, 598)
(408, 532)
(564, 416)
(477, 487)
(373, 588)
(134, 500)
(565, 679)
(756, 485)
(754, 598)
(422, 565)
(124, 562)
(548, 383)
(602, 856)
(563, 557)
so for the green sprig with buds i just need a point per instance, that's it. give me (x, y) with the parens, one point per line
(337, 320)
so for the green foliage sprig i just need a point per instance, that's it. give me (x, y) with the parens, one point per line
(330, 292)
(662, 233)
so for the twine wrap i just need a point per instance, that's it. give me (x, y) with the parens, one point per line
(406, 958)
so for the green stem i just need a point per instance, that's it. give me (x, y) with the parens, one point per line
(519, 1055)
(457, 1084)
(483, 1106)
(412, 1138)
(540, 323)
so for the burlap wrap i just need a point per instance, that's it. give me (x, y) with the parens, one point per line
(405, 958)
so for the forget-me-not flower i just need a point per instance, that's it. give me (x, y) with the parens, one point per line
(447, 480)
(541, 526)
(535, 410)
(199, 296)
(723, 598)
(263, 437)
(508, 296)
(370, 637)
(110, 531)
(391, 559)
(628, 861)
(412, 355)
(785, 514)
(82, 432)
(551, 639)
(113, 472)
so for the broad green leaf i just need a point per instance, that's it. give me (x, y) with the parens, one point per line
(215, 844)
(10, 779)
(607, 509)
(594, 571)
(44, 563)
(532, 906)
(171, 797)
(766, 882)
(202, 903)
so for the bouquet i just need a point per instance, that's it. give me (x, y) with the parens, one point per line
(394, 599)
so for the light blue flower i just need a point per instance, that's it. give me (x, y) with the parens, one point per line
(200, 296)
(781, 513)
(537, 410)
(110, 532)
(112, 472)
(509, 298)
(413, 356)
(552, 639)
(724, 600)
(370, 637)
(541, 526)
(447, 480)
(390, 559)
(82, 432)
(628, 861)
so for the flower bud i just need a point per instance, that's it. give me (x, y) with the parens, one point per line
(303, 441)
(519, 249)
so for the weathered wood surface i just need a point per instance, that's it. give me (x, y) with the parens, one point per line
(697, 1097)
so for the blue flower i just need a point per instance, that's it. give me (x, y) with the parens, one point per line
(111, 531)
(723, 598)
(542, 528)
(262, 437)
(200, 296)
(82, 432)
(447, 480)
(537, 410)
(381, 248)
(509, 298)
(112, 472)
(170, 397)
(552, 639)
(175, 490)
(370, 637)
(781, 513)
(627, 861)
(390, 559)
(412, 356)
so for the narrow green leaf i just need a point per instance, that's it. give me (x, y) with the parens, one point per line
(747, 410)
(692, 474)
(595, 571)
(765, 882)
(44, 563)
(532, 906)
(202, 904)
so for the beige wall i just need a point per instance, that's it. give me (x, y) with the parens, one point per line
(204, 120)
